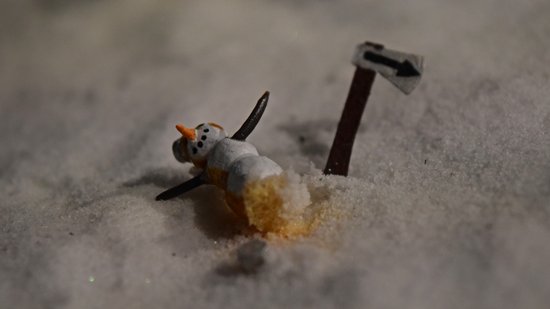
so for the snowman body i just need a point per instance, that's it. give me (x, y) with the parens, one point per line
(235, 166)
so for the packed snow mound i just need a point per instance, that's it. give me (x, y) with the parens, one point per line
(291, 205)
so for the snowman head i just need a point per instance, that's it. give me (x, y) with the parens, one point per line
(195, 144)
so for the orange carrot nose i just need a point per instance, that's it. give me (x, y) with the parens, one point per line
(188, 133)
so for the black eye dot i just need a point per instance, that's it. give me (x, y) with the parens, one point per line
(203, 137)
(200, 144)
(206, 130)
(195, 150)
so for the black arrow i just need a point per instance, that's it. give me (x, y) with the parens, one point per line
(404, 69)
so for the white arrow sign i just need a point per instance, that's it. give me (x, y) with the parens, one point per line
(401, 69)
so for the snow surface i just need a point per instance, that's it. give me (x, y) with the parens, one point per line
(447, 205)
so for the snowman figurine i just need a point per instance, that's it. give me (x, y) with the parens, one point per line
(255, 187)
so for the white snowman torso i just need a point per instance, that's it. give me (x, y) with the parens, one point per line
(231, 164)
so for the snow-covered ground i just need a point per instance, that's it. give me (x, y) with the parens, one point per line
(448, 200)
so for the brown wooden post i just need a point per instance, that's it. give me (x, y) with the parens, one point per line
(340, 153)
